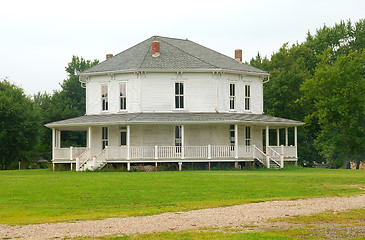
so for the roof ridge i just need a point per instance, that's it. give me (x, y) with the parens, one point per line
(189, 53)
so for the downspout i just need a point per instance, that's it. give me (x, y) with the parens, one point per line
(268, 79)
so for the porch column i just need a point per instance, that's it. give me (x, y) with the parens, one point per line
(286, 136)
(267, 146)
(235, 141)
(277, 137)
(58, 134)
(296, 141)
(89, 137)
(53, 142)
(182, 142)
(267, 138)
(128, 143)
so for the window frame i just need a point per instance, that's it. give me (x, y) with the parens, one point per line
(232, 136)
(179, 95)
(247, 105)
(104, 98)
(178, 138)
(104, 137)
(248, 138)
(232, 96)
(123, 97)
(123, 129)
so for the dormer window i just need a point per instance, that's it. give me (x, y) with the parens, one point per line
(232, 95)
(179, 95)
(104, 98)
(123, 96)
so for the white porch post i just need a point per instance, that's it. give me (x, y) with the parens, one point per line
(89, 137)
(277, 137)
(53, 142)
(58, 134)
(128, 144)
(282, 156)
(71, 156)
(267, 146)
(235, 141)
(182, 142)
(77, 163)
(267, 139)
(296, 141)
(286, 136)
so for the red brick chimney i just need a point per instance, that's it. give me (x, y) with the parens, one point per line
(155, 48)
(109, 55)
(238, 55)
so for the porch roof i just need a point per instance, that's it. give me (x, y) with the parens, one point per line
(172, 118)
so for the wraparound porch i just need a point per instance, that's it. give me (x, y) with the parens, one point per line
(177, 137)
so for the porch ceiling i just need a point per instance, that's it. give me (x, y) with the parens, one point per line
(82, 122)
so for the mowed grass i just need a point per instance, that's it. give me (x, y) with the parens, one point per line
(38, 196)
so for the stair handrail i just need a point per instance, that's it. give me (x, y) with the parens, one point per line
(87, 151)
(274, 156)
(102, 152)
(261, 152)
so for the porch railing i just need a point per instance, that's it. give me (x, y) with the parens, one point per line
(68, 153)
(174, 152)
(288, 151)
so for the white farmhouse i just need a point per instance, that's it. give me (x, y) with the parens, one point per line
(173, 100)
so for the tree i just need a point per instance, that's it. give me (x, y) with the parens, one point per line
(19, 126)
(67, 103)
(336, 94)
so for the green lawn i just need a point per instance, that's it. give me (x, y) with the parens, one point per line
(36, 196)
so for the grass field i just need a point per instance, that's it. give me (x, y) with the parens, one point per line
(37, 196)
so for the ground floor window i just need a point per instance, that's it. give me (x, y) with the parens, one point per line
(232, 136)
(178, 138)
(248, 138)
(104, 136)
(123, 136)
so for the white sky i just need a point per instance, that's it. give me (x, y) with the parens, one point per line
(39, 37)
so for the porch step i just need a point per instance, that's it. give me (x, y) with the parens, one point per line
(274, 165)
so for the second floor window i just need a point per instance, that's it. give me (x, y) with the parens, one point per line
(104, 98)
(247, 97)
(123, 96)
(179, 95)
(232, 95)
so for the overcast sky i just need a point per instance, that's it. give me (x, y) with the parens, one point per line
(38, 38)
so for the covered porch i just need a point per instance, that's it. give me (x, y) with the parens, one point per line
(270, 143)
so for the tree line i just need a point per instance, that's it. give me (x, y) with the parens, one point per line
(23, 136)
(320, 81)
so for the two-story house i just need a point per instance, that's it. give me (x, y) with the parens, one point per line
(173, 100)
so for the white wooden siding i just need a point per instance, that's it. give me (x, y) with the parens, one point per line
(154, 92)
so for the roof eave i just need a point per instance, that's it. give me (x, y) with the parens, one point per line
(176, 70)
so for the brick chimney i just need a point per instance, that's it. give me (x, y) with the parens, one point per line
(238, 55)
(155, 48)
(109, 55)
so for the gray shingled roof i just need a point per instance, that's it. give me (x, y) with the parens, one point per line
(173, 118)
(175, 55)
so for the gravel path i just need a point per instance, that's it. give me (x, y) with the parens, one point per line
(253, 213)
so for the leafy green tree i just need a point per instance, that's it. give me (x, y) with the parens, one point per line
(337, 95)
(67, 103)
(19, 126)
